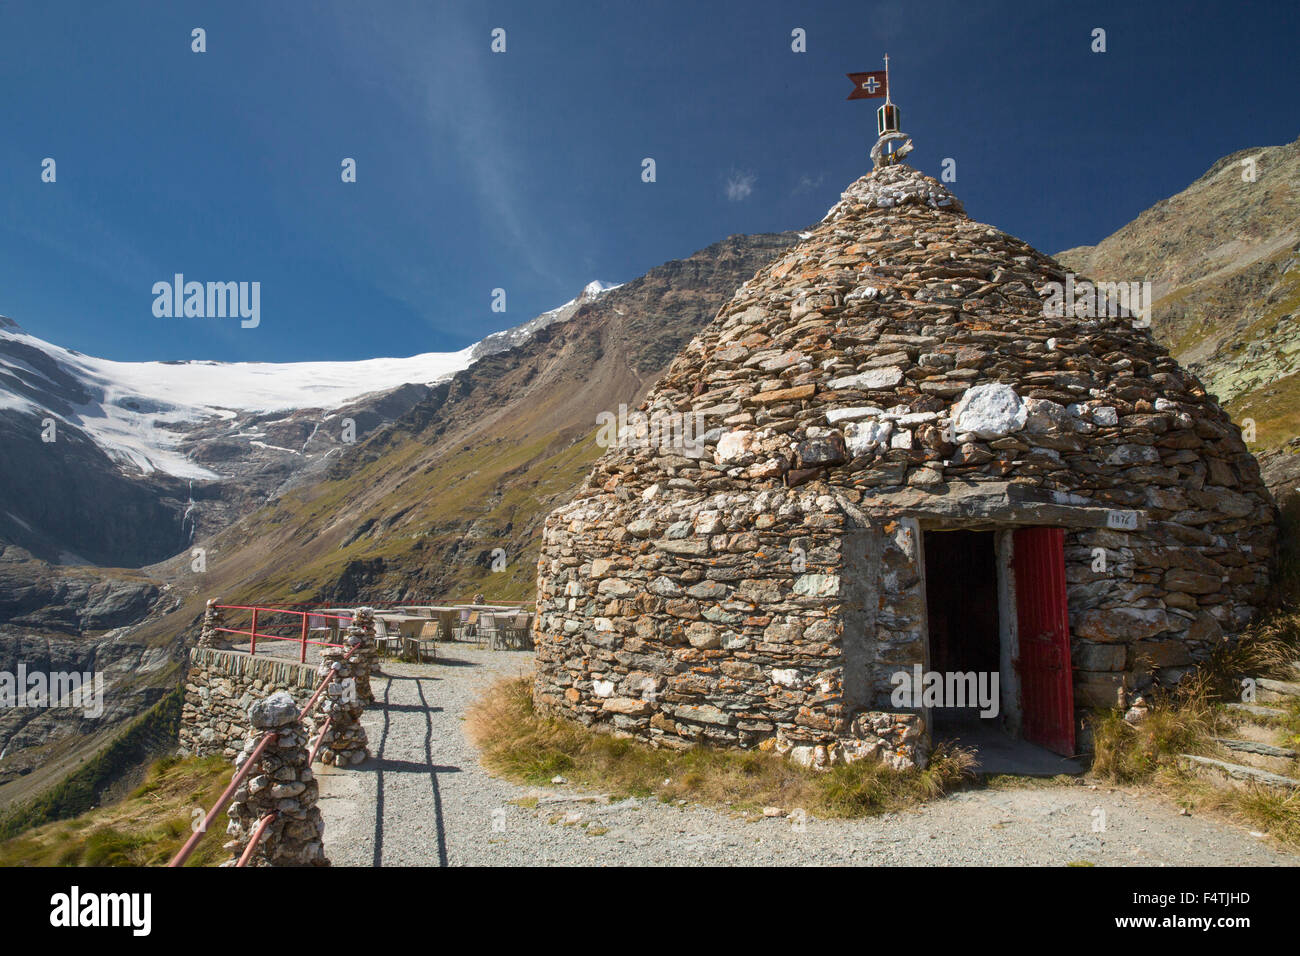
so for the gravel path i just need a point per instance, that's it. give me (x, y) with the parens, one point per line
(423, 800)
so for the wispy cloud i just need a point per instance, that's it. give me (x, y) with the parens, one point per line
(807, 184)
(740, 184)
(446, 93)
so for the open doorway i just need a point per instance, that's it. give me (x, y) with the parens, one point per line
(961, 589)
(996, 606)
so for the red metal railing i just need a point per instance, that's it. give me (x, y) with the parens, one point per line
(381, 605)
(301, 622)
(222, 801)
(255, 839)
(228, 794)
(302, 626)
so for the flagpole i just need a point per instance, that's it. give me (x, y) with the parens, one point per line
(888, 98)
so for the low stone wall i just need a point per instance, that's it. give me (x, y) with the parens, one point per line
(219, 689)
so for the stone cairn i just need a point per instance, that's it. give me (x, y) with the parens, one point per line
(366, 658)
(282, 783)
(209, 636)
(345, 742)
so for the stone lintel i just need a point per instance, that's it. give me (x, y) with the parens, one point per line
(995, 504)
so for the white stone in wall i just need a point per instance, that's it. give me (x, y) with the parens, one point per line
(817, 585)
(602, 688)
(1132, 455)
(1105, 415)
(787, 677)
(708, 522)
(872, 378)
(856, 413)
(861, 438)
(906, 419)
(990, 411)
(1047, 417)
(641, 528)
(678, 530)
(702, 635)
(733, 446)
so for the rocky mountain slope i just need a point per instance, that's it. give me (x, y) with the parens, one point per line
(413, 510)
(1223, 257)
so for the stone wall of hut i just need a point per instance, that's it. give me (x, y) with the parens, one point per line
(721, 620)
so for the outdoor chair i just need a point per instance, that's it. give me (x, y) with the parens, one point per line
(386, 643)
(318, 628)
(427, 641)
(517, 632)
(489, 632)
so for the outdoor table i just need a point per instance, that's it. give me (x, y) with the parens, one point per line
(408, 625)
(446, 616)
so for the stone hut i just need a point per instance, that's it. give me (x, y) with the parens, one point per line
(910, 446)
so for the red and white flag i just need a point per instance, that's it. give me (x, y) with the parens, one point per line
(868, 86)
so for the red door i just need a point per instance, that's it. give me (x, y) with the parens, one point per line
(1046, 686)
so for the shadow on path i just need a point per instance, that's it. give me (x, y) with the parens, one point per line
(382, 765)
(433, 781)
(378, 857)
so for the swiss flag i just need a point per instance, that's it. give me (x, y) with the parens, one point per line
(867, 86)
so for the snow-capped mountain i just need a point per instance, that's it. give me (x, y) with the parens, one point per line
(125, 463)
(137, 412)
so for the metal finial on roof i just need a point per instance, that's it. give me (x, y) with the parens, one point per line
(892, 144)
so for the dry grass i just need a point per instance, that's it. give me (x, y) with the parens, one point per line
(1177, 724)
(529, 747)
(1266, 650)
(145, 829)
(1185, 720)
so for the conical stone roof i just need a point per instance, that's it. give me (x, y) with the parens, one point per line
(847, 360)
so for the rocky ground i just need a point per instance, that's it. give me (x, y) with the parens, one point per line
(423, 800)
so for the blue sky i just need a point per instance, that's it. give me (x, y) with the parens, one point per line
(522, 170)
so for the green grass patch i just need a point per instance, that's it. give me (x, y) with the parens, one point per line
(145, 829)
(79, 791)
